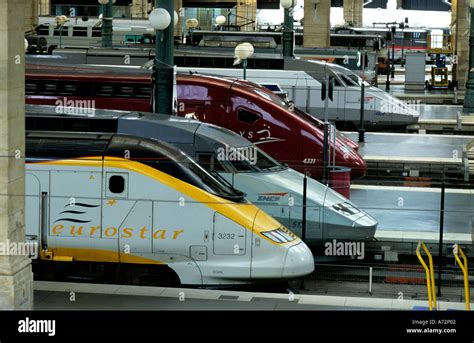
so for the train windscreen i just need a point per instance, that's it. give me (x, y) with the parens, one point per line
(171, 161)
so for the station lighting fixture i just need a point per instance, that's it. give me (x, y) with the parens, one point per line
(159, 19)
(286, 3)
(163, 68)
(220, 20)
(288, 39)
(242, 52)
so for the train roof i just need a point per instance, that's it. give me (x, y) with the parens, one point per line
(87, 72)
(170, 129)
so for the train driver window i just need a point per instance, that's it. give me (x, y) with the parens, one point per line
(210, 162)
(247, 116)
(117, 185)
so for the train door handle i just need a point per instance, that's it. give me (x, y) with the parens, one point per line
(206, 236)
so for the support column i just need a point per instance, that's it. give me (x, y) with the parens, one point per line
(140, 9)
(460, 20)
(44, 7)
(353, 12)
(246, 12)
(16, 278)
(31, 14)
(316, 24)
(178, 7)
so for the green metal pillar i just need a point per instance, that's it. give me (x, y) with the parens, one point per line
(469, 97)
(107, 25)
(288, 41)
(164, 63)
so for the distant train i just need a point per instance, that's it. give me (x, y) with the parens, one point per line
(303, 88)
(275, 188)
(300, 80)
(98, 200)
(253, 111)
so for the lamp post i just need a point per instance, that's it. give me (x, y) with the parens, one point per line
(107, 26)
(242, 52)
(191, 24)
(288, 39)
(163, 68)
(220, 21)
(469, 97)
(60, 21)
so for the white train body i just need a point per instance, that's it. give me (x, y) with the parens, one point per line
(303, 88)
(110, 209)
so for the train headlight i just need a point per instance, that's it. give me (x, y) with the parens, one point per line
(281, 235)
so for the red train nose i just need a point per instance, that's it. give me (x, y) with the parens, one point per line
(352, 160)
(359, 167)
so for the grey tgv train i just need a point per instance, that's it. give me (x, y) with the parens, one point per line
(273, 187)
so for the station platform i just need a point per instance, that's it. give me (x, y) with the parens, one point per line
(413, 154)
(411, 214)
(57, 296)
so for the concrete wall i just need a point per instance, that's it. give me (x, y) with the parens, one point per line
(246, 12)
(461, 29)
(316, 24)
(16, 279)
(353, 12)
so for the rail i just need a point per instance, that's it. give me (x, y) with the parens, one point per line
(430, 282)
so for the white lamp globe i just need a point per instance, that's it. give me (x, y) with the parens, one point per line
(26, 44)
(103, 2)
(60, 19)
(175, 18)
(220, 20)
(159, 19)
(192, 23)
(286, 3)
(244, 51)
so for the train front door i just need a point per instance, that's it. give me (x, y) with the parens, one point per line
(231, 246)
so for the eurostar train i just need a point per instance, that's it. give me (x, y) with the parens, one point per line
(272, 186)
(248, 109)
(119, 199)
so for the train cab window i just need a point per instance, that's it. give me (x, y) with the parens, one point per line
(125, 91)
(104, 89)
(48, 88)
(143, 91)
(247, 116)
(79, 31)
(96, 32)
(67, 88)
(30, 87)
(210, 162)
(116, 184)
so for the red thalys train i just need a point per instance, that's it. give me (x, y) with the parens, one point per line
(290, 136)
